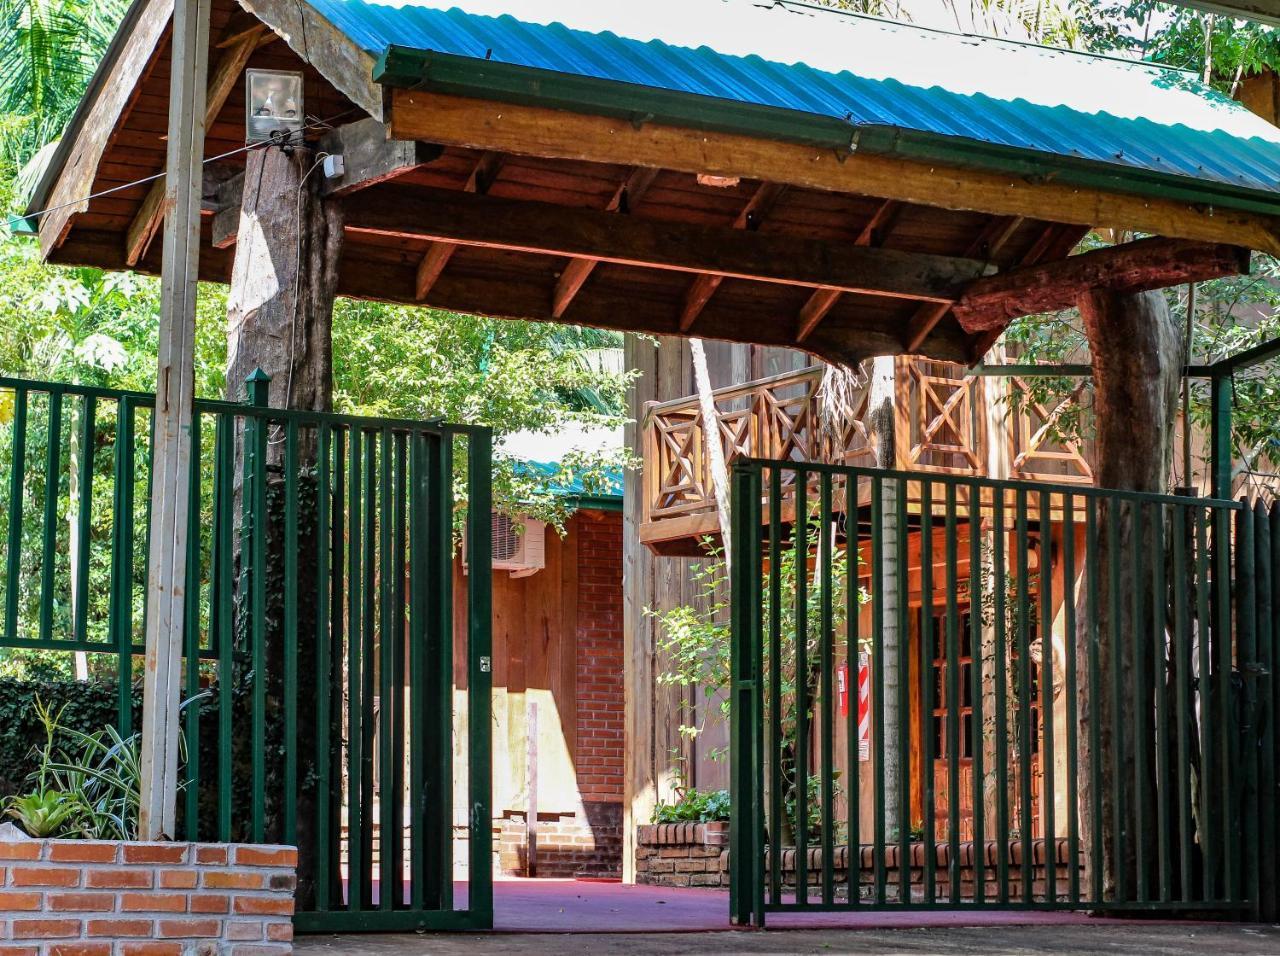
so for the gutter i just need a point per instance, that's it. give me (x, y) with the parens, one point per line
(409, 68)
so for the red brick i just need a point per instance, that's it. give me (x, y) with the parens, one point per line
(210, 903)
(263, 906)
(229, 880)
(21, 850)
(71, 902)
(177, 879)
(153, 902)
(151, 949)
(19, 902)
(248, 931)
(75, 851)
(118, 927)
(45, 928)
(46, 876)
(80, 949)
(211, 854)
(186, 928)
(118, 879)
(155, 853)
(18, 950)
(257, 856)
(262, 949)
(280, 932)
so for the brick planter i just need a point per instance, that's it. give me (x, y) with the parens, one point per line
(89, 898)
(683, 854)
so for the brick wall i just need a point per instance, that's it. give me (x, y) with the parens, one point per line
(569, 845)
(599, 672)
(89, 898)
(683, 854)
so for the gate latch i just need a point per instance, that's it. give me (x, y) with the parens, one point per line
(486, 665)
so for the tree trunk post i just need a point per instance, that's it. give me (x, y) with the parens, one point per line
(175, 403)
(1136, 351)
(882, 418)
(280, 322)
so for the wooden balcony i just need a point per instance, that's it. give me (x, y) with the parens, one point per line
(947, 422)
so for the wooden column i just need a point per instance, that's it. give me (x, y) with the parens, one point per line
(175, 398)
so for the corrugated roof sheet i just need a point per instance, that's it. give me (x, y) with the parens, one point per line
(861, 69)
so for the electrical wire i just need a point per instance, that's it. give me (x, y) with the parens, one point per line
(314, 124)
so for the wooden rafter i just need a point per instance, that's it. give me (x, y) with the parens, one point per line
(576, 273)
(704, 286)
(438, 255)
(873, 233)
(987, 245)
(547, 229)
(221, 82)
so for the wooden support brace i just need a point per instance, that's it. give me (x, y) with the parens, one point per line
(872, 234)
(577, 272)
(704, 286)
(231, 64)
(437, 257)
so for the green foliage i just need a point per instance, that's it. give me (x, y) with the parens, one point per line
(88, 788)
(83, 707)
(694, 806)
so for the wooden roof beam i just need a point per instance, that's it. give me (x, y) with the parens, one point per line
(704, 286)
(577, 271)
(146, 223)
(370, 156)
(556, 134)
(482, 177)
(822, 301)
(450, 216)
(1140, 266)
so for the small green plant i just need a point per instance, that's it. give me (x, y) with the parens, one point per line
(694, 806)
(45, 813)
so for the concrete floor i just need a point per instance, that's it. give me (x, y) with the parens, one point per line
(1160, 939)
(568, 918)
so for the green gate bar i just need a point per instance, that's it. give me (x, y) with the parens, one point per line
(1055, 628)
(343, 522)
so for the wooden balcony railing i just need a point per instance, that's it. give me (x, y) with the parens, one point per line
(946, 423)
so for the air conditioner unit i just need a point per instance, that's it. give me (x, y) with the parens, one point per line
(519, 545)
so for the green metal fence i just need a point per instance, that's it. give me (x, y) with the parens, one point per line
(959, 692)
(320, 673)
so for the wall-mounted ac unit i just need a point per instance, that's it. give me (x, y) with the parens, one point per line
(519, 545)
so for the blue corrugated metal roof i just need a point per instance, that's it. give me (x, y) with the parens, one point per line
(574, 487)
(858, 69)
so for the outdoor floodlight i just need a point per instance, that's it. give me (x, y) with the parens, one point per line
(273, 105)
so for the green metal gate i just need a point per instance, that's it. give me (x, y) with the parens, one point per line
(990, 668)
(329, 678)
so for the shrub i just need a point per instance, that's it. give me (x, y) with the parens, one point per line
(695, 806)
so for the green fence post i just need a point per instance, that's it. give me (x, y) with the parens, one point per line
(745, 602)
(480, 670)
(254, 555)
(1220, 436)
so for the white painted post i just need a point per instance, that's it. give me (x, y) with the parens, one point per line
(175, 397)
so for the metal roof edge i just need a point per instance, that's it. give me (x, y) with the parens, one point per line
(409, 68)
(40, 194)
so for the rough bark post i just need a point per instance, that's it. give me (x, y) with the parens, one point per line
(279, 319)
(1136, 348)
(715, 450)
(881, 418)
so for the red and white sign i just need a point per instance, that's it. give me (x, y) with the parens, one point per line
(864, 701)
(864, 706)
